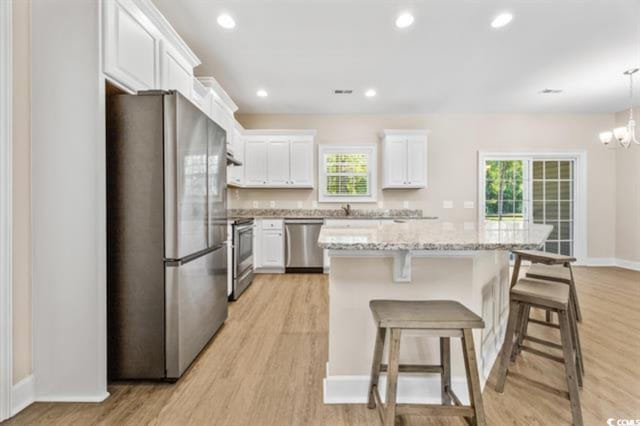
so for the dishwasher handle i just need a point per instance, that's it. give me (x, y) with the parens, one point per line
(287, 245)
(304, 221)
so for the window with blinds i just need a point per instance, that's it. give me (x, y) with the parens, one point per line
(347, 173)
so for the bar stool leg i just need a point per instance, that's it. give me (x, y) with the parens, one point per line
(574, 295)
(507, 346)
(576, 339)
(445, 362)
(519, 320)
(375, 365)
(524, 326)
(570, 367)
(473, 378)
(547, 316)
(392, 378)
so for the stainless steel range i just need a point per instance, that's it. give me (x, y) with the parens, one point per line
(242, 256)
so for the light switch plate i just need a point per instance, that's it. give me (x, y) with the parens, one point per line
(405, 204)
(314, 204)
(272, 204)
(299, 204)
(380, 204)
(447, 204)
(468, 204)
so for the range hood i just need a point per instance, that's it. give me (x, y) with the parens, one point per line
(231, 161)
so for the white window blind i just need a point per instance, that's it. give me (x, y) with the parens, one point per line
(347, 173)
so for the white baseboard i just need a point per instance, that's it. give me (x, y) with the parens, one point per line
(23, 394)
(610, 261)
(628, 264)
(412, 389)
(73, 398)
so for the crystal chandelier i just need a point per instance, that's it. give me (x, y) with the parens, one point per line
(627, 134)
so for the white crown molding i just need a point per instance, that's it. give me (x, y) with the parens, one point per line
(218, 90)
(166, 29)
(404, 132)
(6, 278)
(280, 132)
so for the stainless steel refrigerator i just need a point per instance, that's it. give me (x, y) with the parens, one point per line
(166, 234)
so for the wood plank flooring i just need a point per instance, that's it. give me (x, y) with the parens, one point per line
(266, 365)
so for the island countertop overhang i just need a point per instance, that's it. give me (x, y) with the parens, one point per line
(436, 236)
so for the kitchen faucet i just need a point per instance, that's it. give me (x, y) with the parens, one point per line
(347, 209)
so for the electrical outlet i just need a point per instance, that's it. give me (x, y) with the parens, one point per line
(447, 204)
(314, 204)
(299, 204)
(468, 204)
(405, 204)
(380, 204)
(256, 204)
(272, 204)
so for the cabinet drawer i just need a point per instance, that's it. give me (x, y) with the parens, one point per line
(272, 224)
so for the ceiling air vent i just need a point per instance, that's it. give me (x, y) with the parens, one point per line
(550, 91)
(343, 91)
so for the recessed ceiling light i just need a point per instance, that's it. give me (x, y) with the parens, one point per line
(501, 20)
(262, 93)
(370, 93)
(404, 20)
(550, 91)
(226, 21)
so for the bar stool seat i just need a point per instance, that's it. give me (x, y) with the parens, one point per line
(552, 273)
(442, 318)
(431, 314)
(539, 292)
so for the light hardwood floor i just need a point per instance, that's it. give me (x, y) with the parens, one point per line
(266, 365)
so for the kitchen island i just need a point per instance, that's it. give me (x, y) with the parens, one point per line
(416, 260)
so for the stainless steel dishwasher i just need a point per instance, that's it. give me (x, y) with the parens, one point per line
(302, 253)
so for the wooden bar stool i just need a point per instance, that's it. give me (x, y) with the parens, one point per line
(441, 318)
(548, 267)
(554, 297)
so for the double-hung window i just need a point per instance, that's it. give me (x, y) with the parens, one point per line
(347, 173)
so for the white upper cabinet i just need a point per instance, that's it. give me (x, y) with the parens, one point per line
(301, 162)
(404, 159)
(255, 161)
(176, 73)
(278, 159)
(142, 51)
(131, 47)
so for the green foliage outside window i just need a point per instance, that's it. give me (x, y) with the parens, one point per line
(504, 196)
(347, 174)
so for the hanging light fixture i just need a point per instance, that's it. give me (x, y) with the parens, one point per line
(626, 134)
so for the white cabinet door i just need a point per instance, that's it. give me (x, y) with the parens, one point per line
(272, 250)
(235, 174)
(301, 170)
(176, 74)
(132, 47)
(255, 162)
(395, 160)
(278, 162)
(416, 162)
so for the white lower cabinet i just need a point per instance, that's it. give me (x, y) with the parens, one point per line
(269, 245)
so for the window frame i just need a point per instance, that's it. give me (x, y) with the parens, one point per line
(371, 150)
(579, 195)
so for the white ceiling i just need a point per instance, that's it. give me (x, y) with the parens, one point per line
(450, 60)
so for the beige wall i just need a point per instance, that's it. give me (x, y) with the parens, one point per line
(627, 213)
(454, 143)
(21, 190)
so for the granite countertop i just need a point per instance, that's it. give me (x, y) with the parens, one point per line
(328, 214)
(432, 235)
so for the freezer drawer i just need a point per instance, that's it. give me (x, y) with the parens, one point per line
(196, 307)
